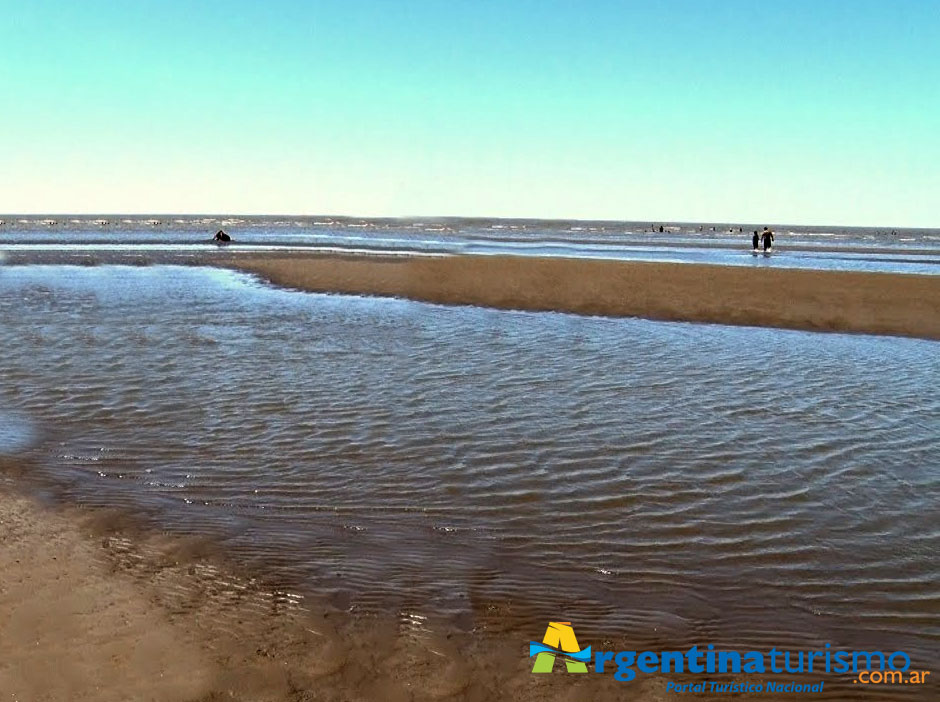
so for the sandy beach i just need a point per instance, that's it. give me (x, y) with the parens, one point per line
(834, 301)
(93, 610)
(74, 629)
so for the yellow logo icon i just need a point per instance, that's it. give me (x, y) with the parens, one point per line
(559, 640)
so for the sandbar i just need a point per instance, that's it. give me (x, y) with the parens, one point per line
(831, 301)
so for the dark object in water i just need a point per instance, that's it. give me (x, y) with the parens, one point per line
(221, 236)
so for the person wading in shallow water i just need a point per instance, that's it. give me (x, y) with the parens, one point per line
(768, 238)
(221, 237)
(755, 240)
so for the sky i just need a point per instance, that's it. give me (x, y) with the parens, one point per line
(803, 112)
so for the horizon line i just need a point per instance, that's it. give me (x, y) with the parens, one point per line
(457, 217)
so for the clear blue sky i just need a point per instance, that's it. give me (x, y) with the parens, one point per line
(822, 111)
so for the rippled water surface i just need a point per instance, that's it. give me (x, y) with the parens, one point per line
(666, 481)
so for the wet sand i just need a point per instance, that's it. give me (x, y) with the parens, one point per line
(71, 629)
(92, 609)
(835, 301)
(91, 612)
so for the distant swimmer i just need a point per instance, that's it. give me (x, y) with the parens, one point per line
(660, 229)
(755, 240)
(767, 237)
(221, 237)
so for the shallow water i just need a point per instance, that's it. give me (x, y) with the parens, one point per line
(661, 481)
(914, 251)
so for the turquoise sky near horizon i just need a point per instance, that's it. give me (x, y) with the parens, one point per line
(710, 110)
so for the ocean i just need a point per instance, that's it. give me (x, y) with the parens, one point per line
(824, 248)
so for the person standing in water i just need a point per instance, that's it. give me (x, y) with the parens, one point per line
(768, 238)
(755, 240)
